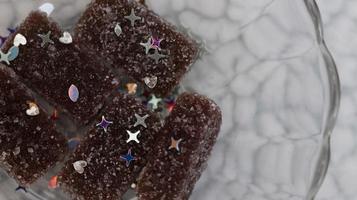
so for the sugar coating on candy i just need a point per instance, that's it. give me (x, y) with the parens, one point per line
(29, 145)
(181, 154)
(51, 69)
(96, 34)
(113, 162)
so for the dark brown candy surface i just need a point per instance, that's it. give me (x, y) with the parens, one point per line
(51, 69)
(125, 49)
(29, 144)
(107, 175)
(188, 135)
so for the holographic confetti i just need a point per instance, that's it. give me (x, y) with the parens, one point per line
(140, 120)
(156, 43)
(157, 56)
(131, 87)
(4, 57)
(73, 93)
(154, 101)
(73, 143)
(151, 82)
(52, 184)
(128, 158)
(147, 45)
(47, 8)
(104, 124)
(14, 52)
(21, 188)
(20, 40)
(132, 17)
(175, 144)
(133, 136)
(33, 109)
(117, 30)
(66, 38)
(46, 38)
(79, 166)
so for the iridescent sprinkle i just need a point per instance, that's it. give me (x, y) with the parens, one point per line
(117, 30)
(19, 40)
(52, 184)
(73, 93)
(14, 52)
(150, 81)
(79, 166)
(66, 38)
(128, 158)
(104, 124)
(33, 109)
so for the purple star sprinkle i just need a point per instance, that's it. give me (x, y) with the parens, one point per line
(155, 42)
(128, 158)
(104, 124)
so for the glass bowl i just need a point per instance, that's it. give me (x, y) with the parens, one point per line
(266, 64)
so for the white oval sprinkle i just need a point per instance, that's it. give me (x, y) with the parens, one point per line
(73, 93)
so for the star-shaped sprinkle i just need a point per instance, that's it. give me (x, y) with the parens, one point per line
(132, 17)
(147, 45)
(154, 101)
(157, 56)
(175, 144)
(131, 87)
(128, 158)
(155, 42)
(133, 136)
(140, 120)
(45, 38)
(5, 57)
(104, 124)
(21, 188)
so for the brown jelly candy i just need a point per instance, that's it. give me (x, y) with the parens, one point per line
(29, 144)
(186, 140)
(137, 42)
(59, 72)
(109, 159)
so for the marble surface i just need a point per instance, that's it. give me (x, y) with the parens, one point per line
(264, 69)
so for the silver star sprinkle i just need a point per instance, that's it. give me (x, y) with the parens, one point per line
(140, 120)
(157, 56)
(132, 17)
(5, 57)
(117, 30)
(45, 38)
(147, 45)
(133, 136)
